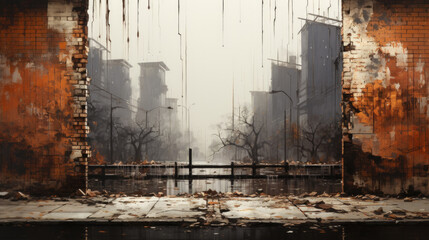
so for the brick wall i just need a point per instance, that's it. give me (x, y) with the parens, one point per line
(385, 96)
(43, 95)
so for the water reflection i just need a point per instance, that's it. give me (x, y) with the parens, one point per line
(131, 232)
(270, 185)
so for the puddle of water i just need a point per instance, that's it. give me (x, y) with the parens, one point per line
(131, 232)
(271, 185)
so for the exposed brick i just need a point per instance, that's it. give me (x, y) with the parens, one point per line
(34, 74)
(385, 92)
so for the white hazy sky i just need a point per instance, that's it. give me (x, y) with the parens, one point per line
(214, 56)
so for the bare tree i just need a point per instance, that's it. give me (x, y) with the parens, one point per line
(137, 136)
(99, 135)
(246, 136)
(332, 145)
(314, 136)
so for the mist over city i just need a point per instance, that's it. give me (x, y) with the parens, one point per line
(218, 58)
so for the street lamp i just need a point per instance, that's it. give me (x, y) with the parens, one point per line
(111, 129)
(188, 109)
(150, 110)
(290, 113)
(147, 120)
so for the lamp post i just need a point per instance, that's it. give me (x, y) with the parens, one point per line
(188, 109)
(111, 127)
(290, 113)
(147, 121)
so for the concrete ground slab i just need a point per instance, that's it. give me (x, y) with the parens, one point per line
(126, 208)
(326, 200)
(350, 216)
(78, 207)
(66, 216)
(189, 209)
(261, 208)
(177, 208)
(22, 215)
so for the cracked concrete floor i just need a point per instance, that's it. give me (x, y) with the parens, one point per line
(212, 210)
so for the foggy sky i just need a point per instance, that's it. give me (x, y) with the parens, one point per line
(214, 57)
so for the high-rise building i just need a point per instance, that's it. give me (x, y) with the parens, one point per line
(153, 91)
(109, 103)
(320, 89)
(320, 86)
(285, 76)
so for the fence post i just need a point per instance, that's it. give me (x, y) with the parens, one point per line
(175, 170)
(190, 163)
(103, 176)
(286, 166)
(254, 169)
(232, 170)
(103, 171)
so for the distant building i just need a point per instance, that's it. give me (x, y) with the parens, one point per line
(261, 102)
(153, 90)
(261, 107)
(119, 84)
(109, 76)
(320, 86)
(96, 63)
(285, 76)
(110, 93)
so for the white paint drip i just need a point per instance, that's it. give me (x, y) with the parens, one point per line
(397, 50)
(16, 76)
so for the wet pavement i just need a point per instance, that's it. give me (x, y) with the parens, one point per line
(271, 185)
(204, 209)
(138, 231)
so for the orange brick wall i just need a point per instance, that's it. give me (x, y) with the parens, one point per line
(385, 96)
(43, 92)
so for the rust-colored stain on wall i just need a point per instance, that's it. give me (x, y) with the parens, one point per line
(385, 95)
(40, 58)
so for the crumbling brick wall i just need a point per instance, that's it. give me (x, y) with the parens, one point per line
(385, 96)
(43, 95)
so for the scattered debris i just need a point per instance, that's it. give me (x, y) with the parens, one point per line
(300, 202)
(399, 212)
(343, 194)
(90, 193)
(379, 211)
(80, 193)
(20, 196)
(408, 199)
(324, 194)
(312, 194)
(4, 194)
(323, 206)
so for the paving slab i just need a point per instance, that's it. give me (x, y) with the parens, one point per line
(78, 207)
(350, 216)
(66, 216)
(126, 208)
(261, 208)
(176, 208)
(327, 200)
(30, 210)
(414, 206)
